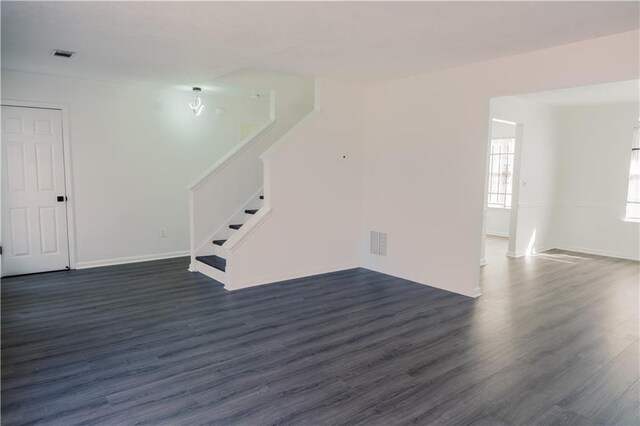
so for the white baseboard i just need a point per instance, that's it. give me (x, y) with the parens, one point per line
(132, 259)
(545, 248)
(598, 252)
(585, 250)
(523, 253)
(476, 292)
(497, 234)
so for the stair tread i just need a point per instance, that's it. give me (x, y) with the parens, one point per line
(219, 242)
(236, 226)
(251, 211)
(214, 261)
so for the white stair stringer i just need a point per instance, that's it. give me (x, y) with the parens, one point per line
(243, 234)
(226, 233)
(225, 277)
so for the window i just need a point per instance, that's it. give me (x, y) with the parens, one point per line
(501, 172)
(633, 197)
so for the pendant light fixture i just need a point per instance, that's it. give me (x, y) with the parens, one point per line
(197, 106)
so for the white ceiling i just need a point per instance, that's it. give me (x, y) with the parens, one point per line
(609, 93)
(175, 43)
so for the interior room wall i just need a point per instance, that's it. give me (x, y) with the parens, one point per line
(498, 222)
(539, 152)
(294, 95)
(134, 149)
(497, 219)
(314, 179)
(425, 153)
(595, 155)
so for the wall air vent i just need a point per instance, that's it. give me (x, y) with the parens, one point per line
(62, 53)
(379, 243)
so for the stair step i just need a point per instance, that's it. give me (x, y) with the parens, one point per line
(253, 211)
(214, 261)
(235, 226)
(219, 242)
(262, 197)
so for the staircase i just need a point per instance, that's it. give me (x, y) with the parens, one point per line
(227, 204)
(213, 259)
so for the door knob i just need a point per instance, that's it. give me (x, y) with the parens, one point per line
(62, 198)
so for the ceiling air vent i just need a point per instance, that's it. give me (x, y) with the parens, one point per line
(62, 53)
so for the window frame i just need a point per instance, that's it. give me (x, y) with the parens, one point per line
(510, 160)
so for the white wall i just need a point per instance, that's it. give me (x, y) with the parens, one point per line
(425, 153)
(294, 95)
(502, 130)
(134, 149)
(314, 196)
(539, 151)
(497, 222)
(595, 154)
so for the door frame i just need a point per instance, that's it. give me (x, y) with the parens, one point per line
(68, 167)
(515, 191)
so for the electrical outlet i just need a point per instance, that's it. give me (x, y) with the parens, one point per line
(163, 233)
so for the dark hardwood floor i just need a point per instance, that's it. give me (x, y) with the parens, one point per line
(553, 340)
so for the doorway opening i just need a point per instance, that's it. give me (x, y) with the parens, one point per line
(500, 188)
(575, 173)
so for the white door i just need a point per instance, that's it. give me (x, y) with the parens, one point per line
(34, 214)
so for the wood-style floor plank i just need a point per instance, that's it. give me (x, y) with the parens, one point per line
(553, 340)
